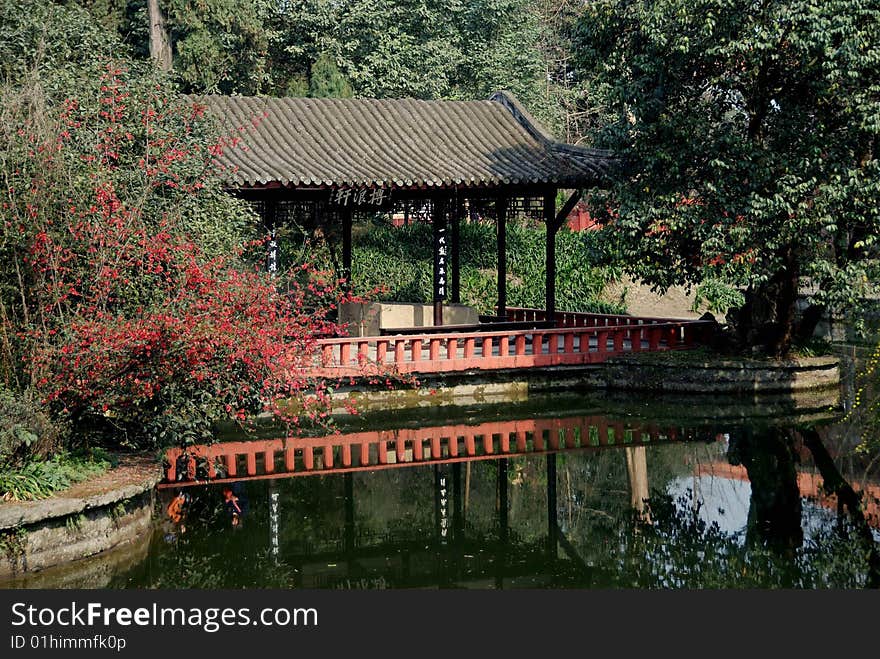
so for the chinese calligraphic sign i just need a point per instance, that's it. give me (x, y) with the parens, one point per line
(444, 506)
(272, 253)
(360, 197)
(441, 255)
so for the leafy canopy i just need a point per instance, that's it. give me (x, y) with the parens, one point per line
(750, 131)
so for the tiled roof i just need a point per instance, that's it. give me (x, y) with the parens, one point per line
(401, 143)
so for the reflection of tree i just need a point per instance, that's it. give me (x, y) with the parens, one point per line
(680, 549)
(775, 504)
(835, 484)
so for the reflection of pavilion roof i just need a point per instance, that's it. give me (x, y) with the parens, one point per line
(401, 143)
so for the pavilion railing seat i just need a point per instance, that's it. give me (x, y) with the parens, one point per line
(503, 326)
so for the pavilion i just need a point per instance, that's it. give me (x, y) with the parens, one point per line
(330, 160)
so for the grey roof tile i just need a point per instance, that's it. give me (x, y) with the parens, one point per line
(401, 143)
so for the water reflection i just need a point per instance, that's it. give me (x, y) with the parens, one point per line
(756, 506)
(559, 495)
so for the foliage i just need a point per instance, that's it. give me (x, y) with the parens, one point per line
(127, 297)
(679, 549)
(387, 49)
(866, 404)
(399, 259)
(38, 479)
(25, 429)
(327, 80)
(64, 41)
(749, 132)
(221, 45)
(414, 48)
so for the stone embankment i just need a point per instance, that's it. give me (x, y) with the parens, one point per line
(111, 511)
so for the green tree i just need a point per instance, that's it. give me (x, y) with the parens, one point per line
(220, 46)
(749, 134)
(420, 49)
(327, 80)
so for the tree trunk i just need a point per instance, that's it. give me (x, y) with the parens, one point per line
(767, 320)
(160, 42)
(775, 503)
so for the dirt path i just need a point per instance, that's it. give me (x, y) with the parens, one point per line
(641, 301)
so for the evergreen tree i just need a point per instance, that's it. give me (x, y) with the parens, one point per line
(327, 81)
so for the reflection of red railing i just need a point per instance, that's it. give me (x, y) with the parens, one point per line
(384, 449)
(579, 339)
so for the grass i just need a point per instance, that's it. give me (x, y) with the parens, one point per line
(38, 479)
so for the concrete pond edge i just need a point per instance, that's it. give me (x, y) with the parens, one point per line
(77, 523)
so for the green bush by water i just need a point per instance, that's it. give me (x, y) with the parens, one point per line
(399, 262)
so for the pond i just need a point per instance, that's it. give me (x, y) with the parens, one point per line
(670, 493)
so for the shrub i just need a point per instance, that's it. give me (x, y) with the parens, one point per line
(25, 429)
(399, 259)
(128, 299)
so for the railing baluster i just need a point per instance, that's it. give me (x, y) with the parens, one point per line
(416, 350)
(269, 460)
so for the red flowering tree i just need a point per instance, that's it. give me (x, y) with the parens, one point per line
(128, 293)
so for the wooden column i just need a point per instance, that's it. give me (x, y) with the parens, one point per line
(349, 535)
(455, 263)
(550, 259)
(501, 225)
(552, 522)
(637, 468)
(441, 258)
(503, 524)
(457, 517)
(346, 246)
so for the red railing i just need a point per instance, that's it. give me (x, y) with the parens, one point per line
(579, 319)
(383, 449)
(523, 348)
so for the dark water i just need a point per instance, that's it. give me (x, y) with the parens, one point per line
(723, 494)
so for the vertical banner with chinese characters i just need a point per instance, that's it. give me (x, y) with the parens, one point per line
(441, 502)
(272, 252)
(274, 540)
(441, 255)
